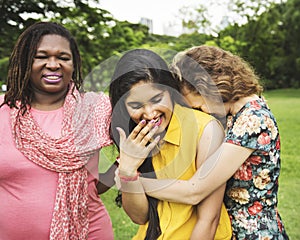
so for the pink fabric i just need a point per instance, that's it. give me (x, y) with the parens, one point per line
(27, 191)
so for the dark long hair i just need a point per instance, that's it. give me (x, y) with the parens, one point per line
(21, 60)
(135, 66)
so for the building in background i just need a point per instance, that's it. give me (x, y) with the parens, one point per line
(148, 22)
(170, 28)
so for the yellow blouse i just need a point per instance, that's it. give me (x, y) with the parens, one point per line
(176, 160)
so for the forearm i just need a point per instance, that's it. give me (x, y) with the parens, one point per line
(215, 172)
(208, 216)
(106, 180)
(191, 191)
(204, 230)
(134, 201)
(171, 189)
(134, 149)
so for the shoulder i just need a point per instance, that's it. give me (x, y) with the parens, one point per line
(97, 100)
(256, 114)
(258, 108)
(1, 98)
(5, 109)
(5, 106)
(189, 113)
(196, 119)
(252, 125)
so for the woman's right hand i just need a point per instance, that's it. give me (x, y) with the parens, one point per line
(136, 147)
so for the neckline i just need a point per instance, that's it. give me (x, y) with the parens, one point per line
(34, 110)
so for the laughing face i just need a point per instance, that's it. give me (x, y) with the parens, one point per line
(52, 67)
(146, 101)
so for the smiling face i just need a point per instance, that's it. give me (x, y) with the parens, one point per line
(146, 101)
(52, 66)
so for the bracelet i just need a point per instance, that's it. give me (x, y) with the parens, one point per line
(129, 178)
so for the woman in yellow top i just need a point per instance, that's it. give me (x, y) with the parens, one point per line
(151, 122)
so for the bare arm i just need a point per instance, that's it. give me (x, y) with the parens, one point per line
(106, 180)
(215, 171)
(208, 210)
(208, 215)
(133, 151)
(134, 201)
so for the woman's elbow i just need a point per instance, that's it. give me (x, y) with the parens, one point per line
(140, 220)
(194, 197)
(194, 200)
(137, 217)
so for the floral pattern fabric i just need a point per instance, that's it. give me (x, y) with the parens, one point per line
(251, 193)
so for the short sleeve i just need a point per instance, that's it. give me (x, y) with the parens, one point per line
(255, 129)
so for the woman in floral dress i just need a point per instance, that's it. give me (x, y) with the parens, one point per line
(249, 158)
(251, 193)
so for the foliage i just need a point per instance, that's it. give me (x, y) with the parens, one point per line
(270, 45)
(196, 19)
(262, 32)
(99, 36)
(3, 69)
(15, 15)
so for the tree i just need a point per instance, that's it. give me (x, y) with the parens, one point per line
(291, 25)
(105, 49)
(99, 36)
(271, 43)
(15, 15)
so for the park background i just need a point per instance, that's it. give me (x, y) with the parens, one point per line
(266, 33)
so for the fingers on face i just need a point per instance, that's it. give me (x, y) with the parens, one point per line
(137, 129)
(143, 132)
(149, 136)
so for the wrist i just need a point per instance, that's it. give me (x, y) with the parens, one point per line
(127, 172)
(130, 185)
(128, 177)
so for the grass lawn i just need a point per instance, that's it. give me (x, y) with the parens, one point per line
(285, 104)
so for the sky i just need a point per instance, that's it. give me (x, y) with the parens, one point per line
(162, 12)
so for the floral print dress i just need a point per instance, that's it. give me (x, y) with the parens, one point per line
(251, 193)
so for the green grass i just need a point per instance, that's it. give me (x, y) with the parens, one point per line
(285, 104)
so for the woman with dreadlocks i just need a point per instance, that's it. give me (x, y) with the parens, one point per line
(51, 134)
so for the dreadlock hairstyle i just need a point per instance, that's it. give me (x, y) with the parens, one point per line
(135, 66)
(21, 60)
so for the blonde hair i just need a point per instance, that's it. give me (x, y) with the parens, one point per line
(198, 68)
